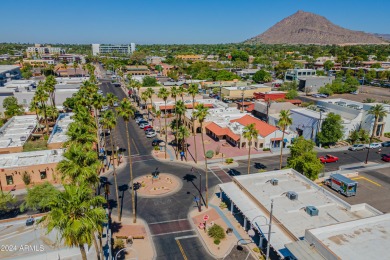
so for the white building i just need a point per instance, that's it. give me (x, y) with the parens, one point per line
(103, 49)
(8, 73)
(39, 50)
(298, 205)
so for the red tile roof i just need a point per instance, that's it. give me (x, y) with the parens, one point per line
(217, 130)
(189, 106)
(263, 128)
(167, 107)
(250, 108)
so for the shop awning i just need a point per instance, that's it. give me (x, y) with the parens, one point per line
(276, 139)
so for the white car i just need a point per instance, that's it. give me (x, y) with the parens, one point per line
(151, 134)
(139, 119)
(374, 145)
(104, 108)
(116, 104)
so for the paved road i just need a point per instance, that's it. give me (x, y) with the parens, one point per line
(167, 216)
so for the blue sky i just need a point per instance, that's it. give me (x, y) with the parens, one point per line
(172, 21)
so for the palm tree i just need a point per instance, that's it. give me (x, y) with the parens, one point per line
(109, 120)
(150, 92)
(52, 113)
(42, 97)
(180, 92)
(76, 214)
(174, 94)
(158, 116)
(49, 87)
(164, 94)
(97, 103)
(201, 113)
(285, 120)
(193, 90)
(79, 166)
(75, 66)
(378, 111)
(126, 111)
(180, 110)
(34, 106)
(111, 99)
(182, 135)
(81, 134)
(138, 86)
(250, 132)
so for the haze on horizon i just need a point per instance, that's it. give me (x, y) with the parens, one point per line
(173, 21)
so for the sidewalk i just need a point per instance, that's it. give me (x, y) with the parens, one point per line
(226, 220)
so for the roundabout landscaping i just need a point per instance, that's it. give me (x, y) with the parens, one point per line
(161, 184)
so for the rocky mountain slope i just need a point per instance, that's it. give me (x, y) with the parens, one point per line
(308, 28)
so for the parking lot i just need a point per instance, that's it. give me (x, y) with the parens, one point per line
(373, 189)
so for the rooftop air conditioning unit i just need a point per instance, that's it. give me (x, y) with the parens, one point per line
(312, 211)
(274, 182)
(292, 195)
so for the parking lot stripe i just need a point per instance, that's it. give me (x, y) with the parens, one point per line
(366, 179)
(167, 221)
(181, 249)
(184, 237)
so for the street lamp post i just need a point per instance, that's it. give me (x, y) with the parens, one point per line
(269, 230)
(242, 105)
(200, 188)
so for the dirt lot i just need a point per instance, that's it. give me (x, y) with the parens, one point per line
(373, 189)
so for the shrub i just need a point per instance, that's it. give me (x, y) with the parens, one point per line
(119, 244)
(229, 160)
(256, 250)
(266, 149)
(223, 205)
(387, 134)
(288, 146)
(26, 178)
(217, 241)
(216, 232)
(326, 147)
(262, 170)
(156, 148)
(209, 154)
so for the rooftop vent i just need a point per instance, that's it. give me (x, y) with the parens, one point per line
(292, 195)
(274, 181)
(312, 211)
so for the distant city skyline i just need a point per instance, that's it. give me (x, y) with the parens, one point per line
(173, 21)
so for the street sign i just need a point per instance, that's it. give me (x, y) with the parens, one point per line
(206, 217)
(196, 199)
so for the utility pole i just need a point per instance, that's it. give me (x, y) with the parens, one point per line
(242, 106)
(269, 230)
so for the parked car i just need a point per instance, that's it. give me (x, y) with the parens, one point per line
(323, 95)
(156, 142)
(30, 221)
(328, 158)
(386, 157)
(143, 121)
(143, 125)
(104, 108)
(116, 104)
(386, 144)
(315, 95)
(147, 131)
(148, 127)
(151, 134)
(374, 145)
(357, 147)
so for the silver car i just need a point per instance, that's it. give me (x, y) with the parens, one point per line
(357, 147)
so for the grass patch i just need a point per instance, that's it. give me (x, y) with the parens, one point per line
(36, 145)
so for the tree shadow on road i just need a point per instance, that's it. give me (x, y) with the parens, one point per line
(122, 189)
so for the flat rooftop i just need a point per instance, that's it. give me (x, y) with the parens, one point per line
(17, 130)
(4, 68)
(30, 158)
(367, 238)
(60, 129)
(252, 194)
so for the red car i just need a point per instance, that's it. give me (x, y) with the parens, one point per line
(386, 157)
(328, 158)
(148, 127)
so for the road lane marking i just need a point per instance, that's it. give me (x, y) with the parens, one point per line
(136, 148)
(215, 175)
(15, 235)
(181, 250)
(366, 179)
(173, 232)
(184, 237)
(167, 221)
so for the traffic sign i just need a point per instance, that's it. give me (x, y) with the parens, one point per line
(206, 217)
(196, 199)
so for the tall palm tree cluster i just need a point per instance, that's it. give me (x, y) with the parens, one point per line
(43, 102)
(77, 213)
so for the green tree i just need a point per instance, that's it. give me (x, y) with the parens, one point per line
(328, 65)
(331, 129)
(304, 159)
(262, 76)
(201, 113)
(239, 55)
(182, 135)
(291, 94)
(164, 94)
(6, 201)
(376, 66)
(39, 197)
(49, 87)
(12, 108)
(41, 96)
(378, 112)
(126, 111)
(325, 90)
(149, 81)
(285, 120)
(250, 133)
(76, 214)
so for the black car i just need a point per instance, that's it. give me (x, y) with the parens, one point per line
(30, 221)
(386, 144)
(156, 142)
